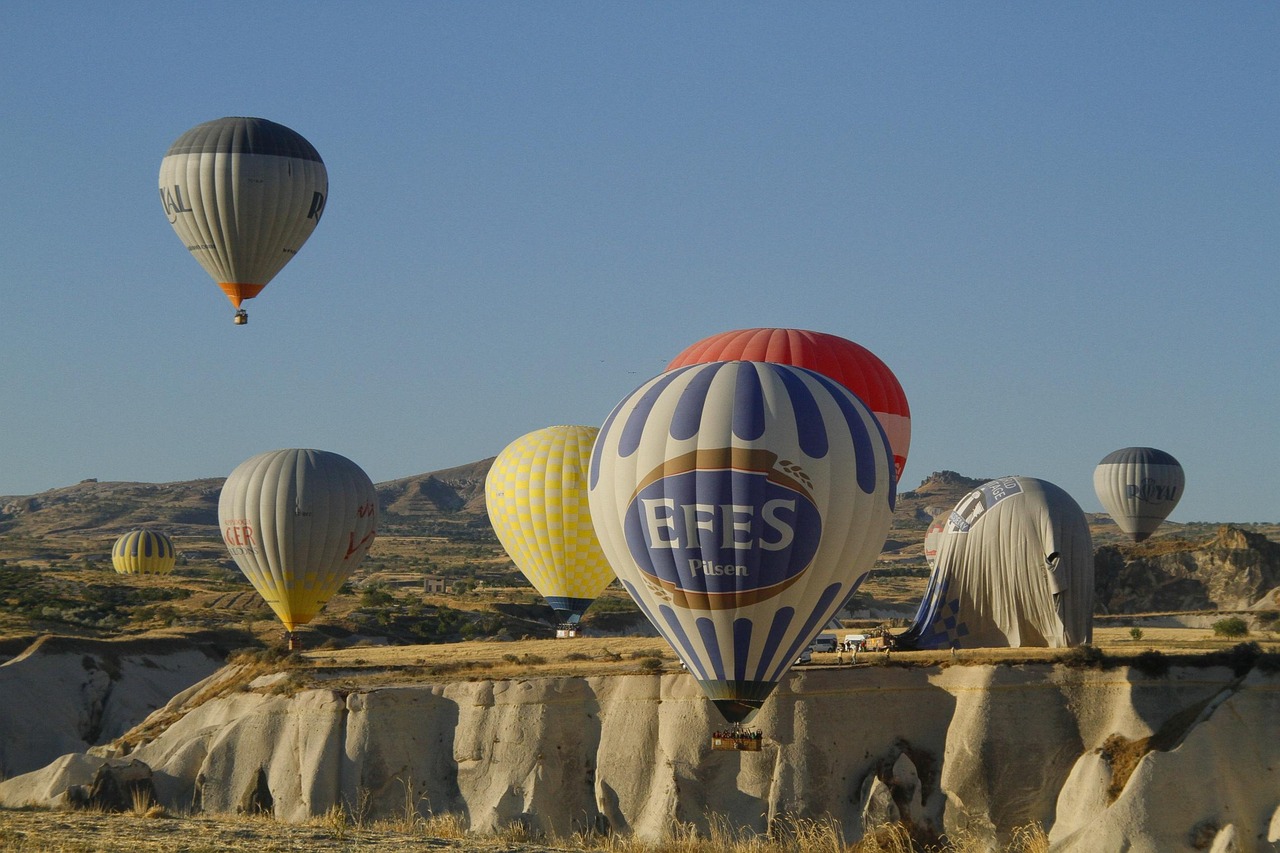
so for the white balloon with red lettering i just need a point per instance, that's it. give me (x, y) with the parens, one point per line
(298, 522)
(741, 504)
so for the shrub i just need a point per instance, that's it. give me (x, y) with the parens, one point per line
(1242, 657)
(1152, 663)
(1233, 626)
(1136, 633)
(1084, 656)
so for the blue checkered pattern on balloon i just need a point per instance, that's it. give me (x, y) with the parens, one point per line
(946, 628)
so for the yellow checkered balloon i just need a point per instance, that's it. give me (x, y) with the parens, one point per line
(536, 494)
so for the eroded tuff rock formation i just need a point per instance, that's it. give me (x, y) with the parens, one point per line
(65, 694)
(1234, 571)
(1103, 758)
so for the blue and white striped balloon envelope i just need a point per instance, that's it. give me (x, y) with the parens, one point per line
(741, 503)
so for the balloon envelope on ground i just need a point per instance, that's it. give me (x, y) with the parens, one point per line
(143, 552)
(1139, 487)
(852, 365)
(536, 496)
(1014, 568)
(298, 522)
(243, 195)
(741, 503)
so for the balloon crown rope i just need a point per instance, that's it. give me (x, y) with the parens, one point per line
(737, 738)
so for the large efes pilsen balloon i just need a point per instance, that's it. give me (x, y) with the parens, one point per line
(741, 503)
(298, 523)
(143, 552)
(852, 365)
(243, 195)
(536, 495)
(1139, 487)
(1014, 567)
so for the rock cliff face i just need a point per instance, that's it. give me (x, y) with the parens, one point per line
(1234, 571)
(65, 695)
(1106, 759)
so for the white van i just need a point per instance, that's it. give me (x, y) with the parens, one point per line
(824, 643)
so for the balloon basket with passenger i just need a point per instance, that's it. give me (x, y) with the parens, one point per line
(241, 318)
(568, 630)
(737, 738)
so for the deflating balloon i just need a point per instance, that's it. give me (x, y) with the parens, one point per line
(243, 195)
(298, 523)
(1014, 568)
(741, 503)
(536, 494)
(1139, 487)
(143, 552)
(853, 366)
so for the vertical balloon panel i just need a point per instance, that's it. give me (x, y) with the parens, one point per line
(741, 503)
(298, 523)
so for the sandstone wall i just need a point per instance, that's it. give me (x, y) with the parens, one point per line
(65, 695)
(984, 748)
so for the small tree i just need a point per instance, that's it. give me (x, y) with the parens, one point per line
(1233, 626)
(1135, 632)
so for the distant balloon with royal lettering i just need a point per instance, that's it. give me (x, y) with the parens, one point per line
(243, 195)
(1139, 487)
(298, 522)
(741, 503)
(852, 365)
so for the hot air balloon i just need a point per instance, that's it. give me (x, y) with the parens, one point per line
(143, 552)
(243, 195)
(931, 537)
(852, 365)
(297, 523)
(1014, 568)
(741, 503)
(536, 495)
(1139, 487)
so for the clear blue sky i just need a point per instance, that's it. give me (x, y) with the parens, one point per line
(1058, 223)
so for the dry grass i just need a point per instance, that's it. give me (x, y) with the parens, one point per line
(27, 831)
(372, 666)
(583, 656)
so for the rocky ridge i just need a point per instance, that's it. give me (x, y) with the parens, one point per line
(1105, 759)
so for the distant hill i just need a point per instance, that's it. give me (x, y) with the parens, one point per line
(91, 508)
(938, 493)
(438, 503)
